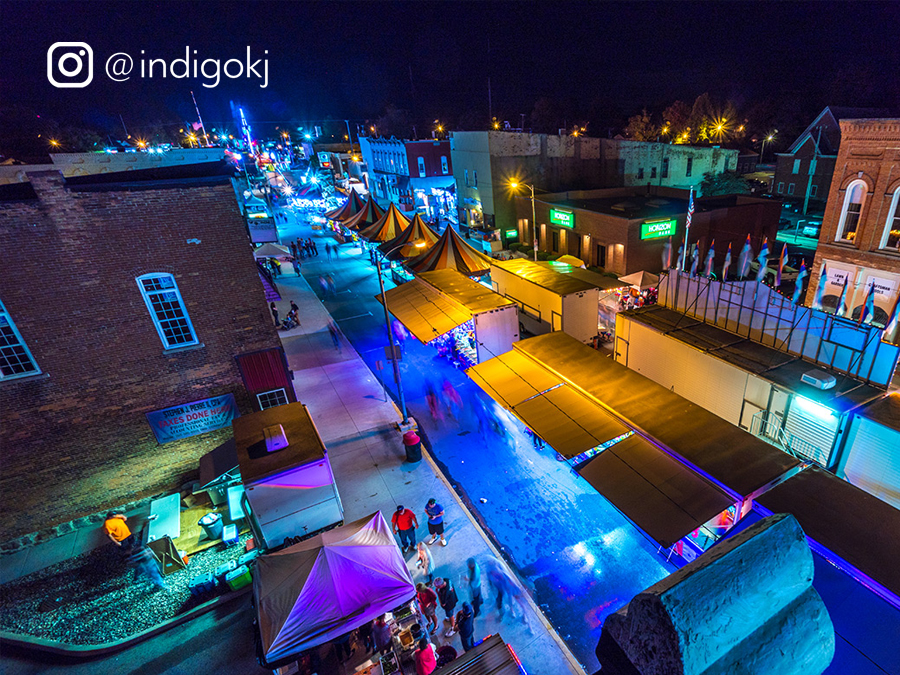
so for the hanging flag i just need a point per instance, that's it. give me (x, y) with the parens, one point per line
(798, 285)
(781, 261)
(763, 259)
(727, 263)
(679, 259)
(687, 222)
(867, 312)
(820, 289)
(667, 254)
(744, 259)
(695, 259)
(889, 326)
(840, 305)
(710, 256)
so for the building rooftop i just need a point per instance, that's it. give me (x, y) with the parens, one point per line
(632, 207)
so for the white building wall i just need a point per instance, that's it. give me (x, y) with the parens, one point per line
(495, 332)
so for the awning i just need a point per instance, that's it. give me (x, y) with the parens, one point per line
(641, 280)
(655, 491)
(568, 420)
(853, 524)
(424, 310)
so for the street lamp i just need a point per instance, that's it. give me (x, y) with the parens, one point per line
(533, 216)
(767, 139)
(387, 325)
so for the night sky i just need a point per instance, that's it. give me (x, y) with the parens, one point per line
(349, 60)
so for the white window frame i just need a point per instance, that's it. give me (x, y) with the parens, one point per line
(813, 190)
(420, 161)
(272, 391)
(156, 321)
(445, 165)
(781, 188)
(16, 341)
(796, 166)
(839, 235)
(790, 188)
(892, 213)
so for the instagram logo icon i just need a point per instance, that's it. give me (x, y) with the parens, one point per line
(70, 65)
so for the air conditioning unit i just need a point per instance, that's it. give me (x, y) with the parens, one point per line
(818, 379)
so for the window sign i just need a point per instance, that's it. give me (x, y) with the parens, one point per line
(194, 418)
(512, 233)
(562, 218)
(658, 228)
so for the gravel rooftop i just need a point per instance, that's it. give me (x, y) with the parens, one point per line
(101, 598)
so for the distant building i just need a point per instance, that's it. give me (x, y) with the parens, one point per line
(486, 162)
(808, 165)
(625, 230)
(128, 300)
(860, 239)
(417, 175)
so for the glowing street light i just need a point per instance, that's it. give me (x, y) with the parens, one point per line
(767, 139)
(55, 143)
(515, 186)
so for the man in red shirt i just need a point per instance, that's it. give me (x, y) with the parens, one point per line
(404, 523)
(428, 603)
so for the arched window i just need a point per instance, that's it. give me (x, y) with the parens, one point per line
(167, 310)
(890, 240)
(853, 204)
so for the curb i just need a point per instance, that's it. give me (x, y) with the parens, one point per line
(29, 642)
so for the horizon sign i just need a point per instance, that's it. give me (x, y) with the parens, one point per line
(562, 218)
(658, 228)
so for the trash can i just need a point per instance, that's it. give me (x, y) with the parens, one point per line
(212, 525)
(413, 445)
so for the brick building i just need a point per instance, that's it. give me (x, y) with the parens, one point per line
(624, 230)
(118, 300)
(860, 239)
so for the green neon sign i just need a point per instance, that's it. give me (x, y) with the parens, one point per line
(658, 228)
(562, 218)
(512, 233)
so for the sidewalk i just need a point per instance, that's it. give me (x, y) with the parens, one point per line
(357, 424)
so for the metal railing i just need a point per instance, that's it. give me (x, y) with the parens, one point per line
(772, 430)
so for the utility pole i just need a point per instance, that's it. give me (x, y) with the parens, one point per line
(812, 170)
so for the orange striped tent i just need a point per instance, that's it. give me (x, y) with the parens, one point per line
(350, 208)
(369, 214)
(451, 252)
(388, 227)
(416, 231)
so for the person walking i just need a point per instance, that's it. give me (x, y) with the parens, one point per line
(328, 251)
(426, 659)
(404, 523)
(330, 280)
(536, 441)
(144, 563)
(465, 624)
(342, 646)
(428, 604)
(335, 335)
(367, 637)
(294, 308)
(274, 310)
(447, 599)
(435, 513)
(425, 561)
(315, 249)
(473, 576)
(118, 532)
(381, 632)
(297, 265)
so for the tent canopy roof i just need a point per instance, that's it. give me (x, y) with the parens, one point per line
(369, 214)
(351, 207)
(641, 280)
(389, 226)
(545, 276)
(315, 591)
(451, 252)
(415, 231)
(476, 297)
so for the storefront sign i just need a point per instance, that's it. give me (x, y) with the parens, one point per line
(562, 218)
(190, 419)
(324, 160)
(512, 233)
(658, 228)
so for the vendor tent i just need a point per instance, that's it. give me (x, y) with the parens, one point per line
(417, 230)
(270, 251)
(350, 208)
(570, 260)
(369, 214)
(321, 588)
(388, 227)
(451, 252)
(641, 280)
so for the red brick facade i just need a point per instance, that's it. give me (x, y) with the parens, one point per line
(870, 154)
(74, 440)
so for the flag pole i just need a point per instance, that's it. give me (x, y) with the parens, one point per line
(687, 226)
(200, 119)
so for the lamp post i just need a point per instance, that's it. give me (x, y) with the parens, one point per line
(767, 139)
(387, 325)
(533, 217)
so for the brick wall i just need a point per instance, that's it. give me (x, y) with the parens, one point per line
(74, 440)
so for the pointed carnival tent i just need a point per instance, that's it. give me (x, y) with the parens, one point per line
(571, 260)
(451, 252)
(389, 226)
(417, 230)
(641, 280)
(368, 215)
(350, 208)
(270, 250)
(310, 593)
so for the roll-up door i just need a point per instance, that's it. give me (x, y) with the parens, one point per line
(872, 463)
(812, 429)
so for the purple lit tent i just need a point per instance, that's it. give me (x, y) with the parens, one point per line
(321, 588)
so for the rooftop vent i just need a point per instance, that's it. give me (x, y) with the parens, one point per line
(818, 379)
(275, 438)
